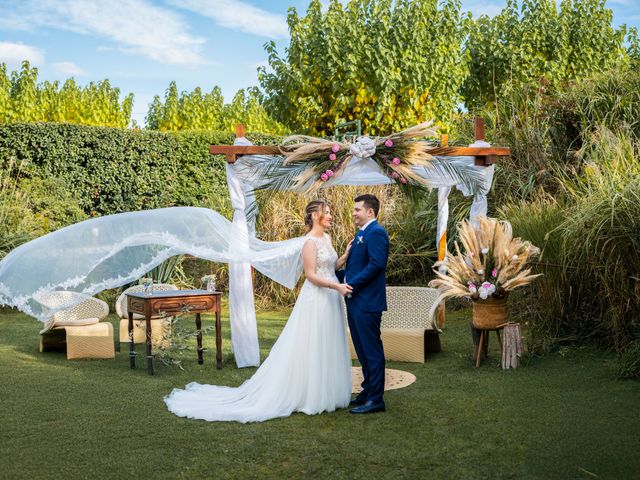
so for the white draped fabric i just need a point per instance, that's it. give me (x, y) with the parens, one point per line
(242, 313)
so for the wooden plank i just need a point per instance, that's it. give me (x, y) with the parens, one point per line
(478, 128)
(232, 152)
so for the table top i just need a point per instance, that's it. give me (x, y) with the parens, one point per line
(172, 294)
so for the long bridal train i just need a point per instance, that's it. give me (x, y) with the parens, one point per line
(308, 369)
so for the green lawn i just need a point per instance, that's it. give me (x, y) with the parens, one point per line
(560, 416)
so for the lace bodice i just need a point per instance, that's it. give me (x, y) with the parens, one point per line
(326, 257)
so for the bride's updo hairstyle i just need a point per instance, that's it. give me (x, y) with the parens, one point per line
(312, 207)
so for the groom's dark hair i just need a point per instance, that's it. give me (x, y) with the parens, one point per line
(370, 201)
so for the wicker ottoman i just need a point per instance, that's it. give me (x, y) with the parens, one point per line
(406, 344)
(84, 341)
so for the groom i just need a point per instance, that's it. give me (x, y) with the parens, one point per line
(365, 273)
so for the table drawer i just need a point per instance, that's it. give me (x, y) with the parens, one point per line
(177, 305)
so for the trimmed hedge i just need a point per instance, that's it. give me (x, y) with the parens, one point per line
(113, 170)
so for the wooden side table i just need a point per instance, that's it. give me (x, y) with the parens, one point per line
(174, 302)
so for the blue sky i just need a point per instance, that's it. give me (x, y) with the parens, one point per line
(142, 45)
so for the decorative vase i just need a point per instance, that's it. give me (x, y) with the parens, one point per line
(490, 313)
(211, 285)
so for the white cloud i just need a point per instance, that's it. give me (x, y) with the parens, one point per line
(69, 68)
(13, 54)
(135, 26)
(238, 15)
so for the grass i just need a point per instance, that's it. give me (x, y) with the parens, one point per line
(559, 416)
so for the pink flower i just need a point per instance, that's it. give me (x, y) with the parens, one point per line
(324, 177)
(494, 272)
(329, 173)
(394, 175)
(388, 143)
(403, 180)
(332, 157)
(395, 161)
(335, 148)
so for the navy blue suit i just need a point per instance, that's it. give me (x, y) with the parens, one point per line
(365, 273)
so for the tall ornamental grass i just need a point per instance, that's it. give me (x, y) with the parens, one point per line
(591, 251)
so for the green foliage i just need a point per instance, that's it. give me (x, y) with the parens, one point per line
(117, 170)
(390, 64)
(22, 99)
(543, 42)
(198, 111)
(608, 99)
(591, 249)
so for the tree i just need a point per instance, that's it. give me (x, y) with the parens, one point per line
(391, 64)
(541, 42)
(22, 99)
(197, 111)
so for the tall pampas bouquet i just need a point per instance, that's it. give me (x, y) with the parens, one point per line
(490, 265)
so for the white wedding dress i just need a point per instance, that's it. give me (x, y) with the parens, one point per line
(308, 369)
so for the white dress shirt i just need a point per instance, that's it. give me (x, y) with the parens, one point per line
(367, 224)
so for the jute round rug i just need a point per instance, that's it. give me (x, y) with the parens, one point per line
(392, 379)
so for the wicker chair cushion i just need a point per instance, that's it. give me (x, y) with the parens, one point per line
(91, 308)
(410, 307)
(76, 323)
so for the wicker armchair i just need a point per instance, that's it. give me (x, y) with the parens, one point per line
(159, 326)
(77, 330)
(408, 326)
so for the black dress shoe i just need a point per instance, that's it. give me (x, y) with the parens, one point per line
(369, 407)
(357, 402)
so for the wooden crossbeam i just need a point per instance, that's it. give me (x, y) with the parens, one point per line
(487, 155)
(232, 152)
(484, 155)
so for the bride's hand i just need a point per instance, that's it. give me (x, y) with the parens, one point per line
(344, 289)
(347, 250)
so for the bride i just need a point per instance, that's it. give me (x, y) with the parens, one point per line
(309, 368)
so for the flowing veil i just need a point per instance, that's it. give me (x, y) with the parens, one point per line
(111, 251)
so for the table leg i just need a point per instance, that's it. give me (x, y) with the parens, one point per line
(132, 348)
(150, 369)
(218, 337)
(199, 338)
(499, 340)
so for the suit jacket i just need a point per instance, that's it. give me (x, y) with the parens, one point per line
(365, 269)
